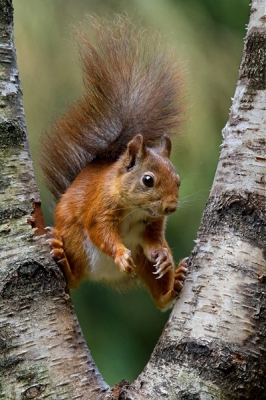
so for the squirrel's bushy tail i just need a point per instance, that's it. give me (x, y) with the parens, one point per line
(132, 85)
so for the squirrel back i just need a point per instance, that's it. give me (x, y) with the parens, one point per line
(131, 85)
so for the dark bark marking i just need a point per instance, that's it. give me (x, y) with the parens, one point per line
(262, 159)
(12, 213)
(25, 375)
(188, 396)
(3, 343)
(8, 363)
(254, 61)
(11, 134)
(258, 147)
(254, 299)
(235, 120)
(4, 183)
(244, 216)
(6, 12)
(30, 274)
(225, 364)
(33, 391)
(252, 10)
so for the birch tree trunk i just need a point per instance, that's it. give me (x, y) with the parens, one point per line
(214, 344)
(42, 351)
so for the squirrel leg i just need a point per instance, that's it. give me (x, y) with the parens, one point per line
(59, 255)
(163, 290)
(156, 248)
(106, 236)
(163, 261)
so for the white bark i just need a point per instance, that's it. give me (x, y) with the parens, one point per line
(214, 343)
(42, 351)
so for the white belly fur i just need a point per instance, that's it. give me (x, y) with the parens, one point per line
(103, 267)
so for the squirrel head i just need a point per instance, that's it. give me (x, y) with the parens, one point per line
(147, 178)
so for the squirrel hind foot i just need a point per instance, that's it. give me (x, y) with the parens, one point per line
(180, 275)
(58, 253)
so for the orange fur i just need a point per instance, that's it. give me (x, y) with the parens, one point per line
(107, 162)
(109, 213)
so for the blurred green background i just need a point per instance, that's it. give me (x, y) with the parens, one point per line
(122, 329)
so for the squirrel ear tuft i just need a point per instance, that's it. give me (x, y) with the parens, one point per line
(166, 146)
(135, 150)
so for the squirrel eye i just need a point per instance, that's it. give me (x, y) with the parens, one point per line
(147, 180)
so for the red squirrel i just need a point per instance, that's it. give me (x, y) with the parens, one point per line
(106, 162)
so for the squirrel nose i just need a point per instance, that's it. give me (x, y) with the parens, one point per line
(170, 208)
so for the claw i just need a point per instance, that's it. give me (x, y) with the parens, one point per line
(160, 260)
(157, 271)
(180, 276)
(160, 276)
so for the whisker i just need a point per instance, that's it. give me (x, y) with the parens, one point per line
(125, 208)
(183, 207)
(192, 194)
(137, 209)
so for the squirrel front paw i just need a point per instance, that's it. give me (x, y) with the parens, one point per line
(163, 261)
(125, 262)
